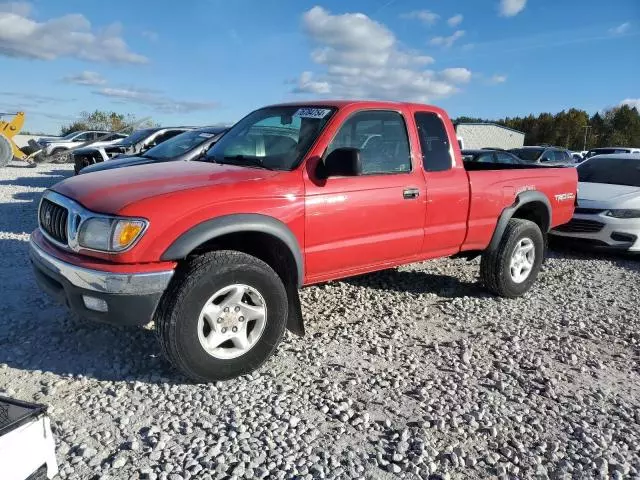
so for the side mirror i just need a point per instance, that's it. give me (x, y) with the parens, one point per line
(342, 162)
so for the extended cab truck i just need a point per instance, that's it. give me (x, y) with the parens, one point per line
(214, 251)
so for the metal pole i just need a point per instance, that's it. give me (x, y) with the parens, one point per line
(586, 129)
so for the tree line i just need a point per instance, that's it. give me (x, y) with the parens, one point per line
(575, 129)
(107, 121)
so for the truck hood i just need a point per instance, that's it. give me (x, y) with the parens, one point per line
(606, 195)
(110, 191)
(117, 163)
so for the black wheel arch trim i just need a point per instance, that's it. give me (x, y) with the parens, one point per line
(522, 199)
(236, 223)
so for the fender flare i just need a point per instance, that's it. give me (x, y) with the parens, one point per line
(236, 223)
(522, 199)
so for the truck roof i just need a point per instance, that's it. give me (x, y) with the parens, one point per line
(344, 103)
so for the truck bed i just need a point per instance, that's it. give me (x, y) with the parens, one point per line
(493, 187)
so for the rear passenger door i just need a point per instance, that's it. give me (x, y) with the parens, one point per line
(359, 223)
(447, 188)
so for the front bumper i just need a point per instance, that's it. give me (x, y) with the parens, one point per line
(130, 298)
(615, 234)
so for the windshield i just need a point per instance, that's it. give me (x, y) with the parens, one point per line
(137, 136)
(616, 171)
(179, 144)
(528, 154)
(274, 137)
(604, 151)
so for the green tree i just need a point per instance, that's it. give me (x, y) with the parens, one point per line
(109, 121)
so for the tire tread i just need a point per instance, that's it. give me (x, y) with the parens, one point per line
(187, 276)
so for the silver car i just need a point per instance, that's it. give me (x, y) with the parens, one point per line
(608, 211)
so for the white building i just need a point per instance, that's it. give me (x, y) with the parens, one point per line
(487, 135)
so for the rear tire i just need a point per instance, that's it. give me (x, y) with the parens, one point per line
(510, 270)
(180, 318)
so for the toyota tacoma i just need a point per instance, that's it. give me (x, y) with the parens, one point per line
(215, 251)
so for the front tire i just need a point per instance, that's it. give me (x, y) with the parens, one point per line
(511, 269)
(223, 316)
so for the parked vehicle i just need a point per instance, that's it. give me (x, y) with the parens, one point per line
(55, 146)
(544, 154)
(189, 145)
(611, 150)
(138, 142)
(214, 252)
(27, 446)
(491, 155)
(577, 156)
(608, 211)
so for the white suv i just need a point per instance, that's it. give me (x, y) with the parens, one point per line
(53, 146)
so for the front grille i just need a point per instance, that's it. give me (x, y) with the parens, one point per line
(578, 225)
(53, 220)
(589, 211)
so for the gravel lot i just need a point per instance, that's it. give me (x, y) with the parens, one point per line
(408, 373)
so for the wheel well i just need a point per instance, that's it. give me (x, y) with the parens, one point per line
(268, 248)
(537, 212)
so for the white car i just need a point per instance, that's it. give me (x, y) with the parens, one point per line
(608, 211)
(52, 146)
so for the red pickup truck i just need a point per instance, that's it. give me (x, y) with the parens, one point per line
(214, 251)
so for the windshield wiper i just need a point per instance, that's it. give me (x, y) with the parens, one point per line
(255, 161)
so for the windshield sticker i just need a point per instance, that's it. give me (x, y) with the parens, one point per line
(312, 112)
(206, 135)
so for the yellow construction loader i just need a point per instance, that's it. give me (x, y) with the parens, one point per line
(8, 130)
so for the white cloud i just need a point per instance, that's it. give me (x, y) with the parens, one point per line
(150, 35)
(85, 78)
(67, 36)
(510, 8)
(447, 41)
(455, 20)
(33, 99)
(631, 102)
(456, 75)
(620, 29)
(361, 58)
(306, 84)
(496, 79)
(425, 16)
(154, 99)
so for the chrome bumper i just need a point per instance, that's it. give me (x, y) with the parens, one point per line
(100, 281)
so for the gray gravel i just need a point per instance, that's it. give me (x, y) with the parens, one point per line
(408, 373)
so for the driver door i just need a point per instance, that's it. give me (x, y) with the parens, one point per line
(361, 223)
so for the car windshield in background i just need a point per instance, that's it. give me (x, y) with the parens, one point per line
(275, 138)
(605, 151)
(528, 154)
(180, 144)
(137, 136)
(616, 171)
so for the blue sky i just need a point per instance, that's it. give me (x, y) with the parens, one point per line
(210, 61)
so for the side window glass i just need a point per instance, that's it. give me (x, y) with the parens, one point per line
(505, 158)
(434, 141)
(547, 156)
(381, 138)
(82, 138)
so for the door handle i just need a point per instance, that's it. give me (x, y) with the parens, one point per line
(410, 193)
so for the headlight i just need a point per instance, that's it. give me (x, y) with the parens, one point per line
(108, 234)
(632, 213)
